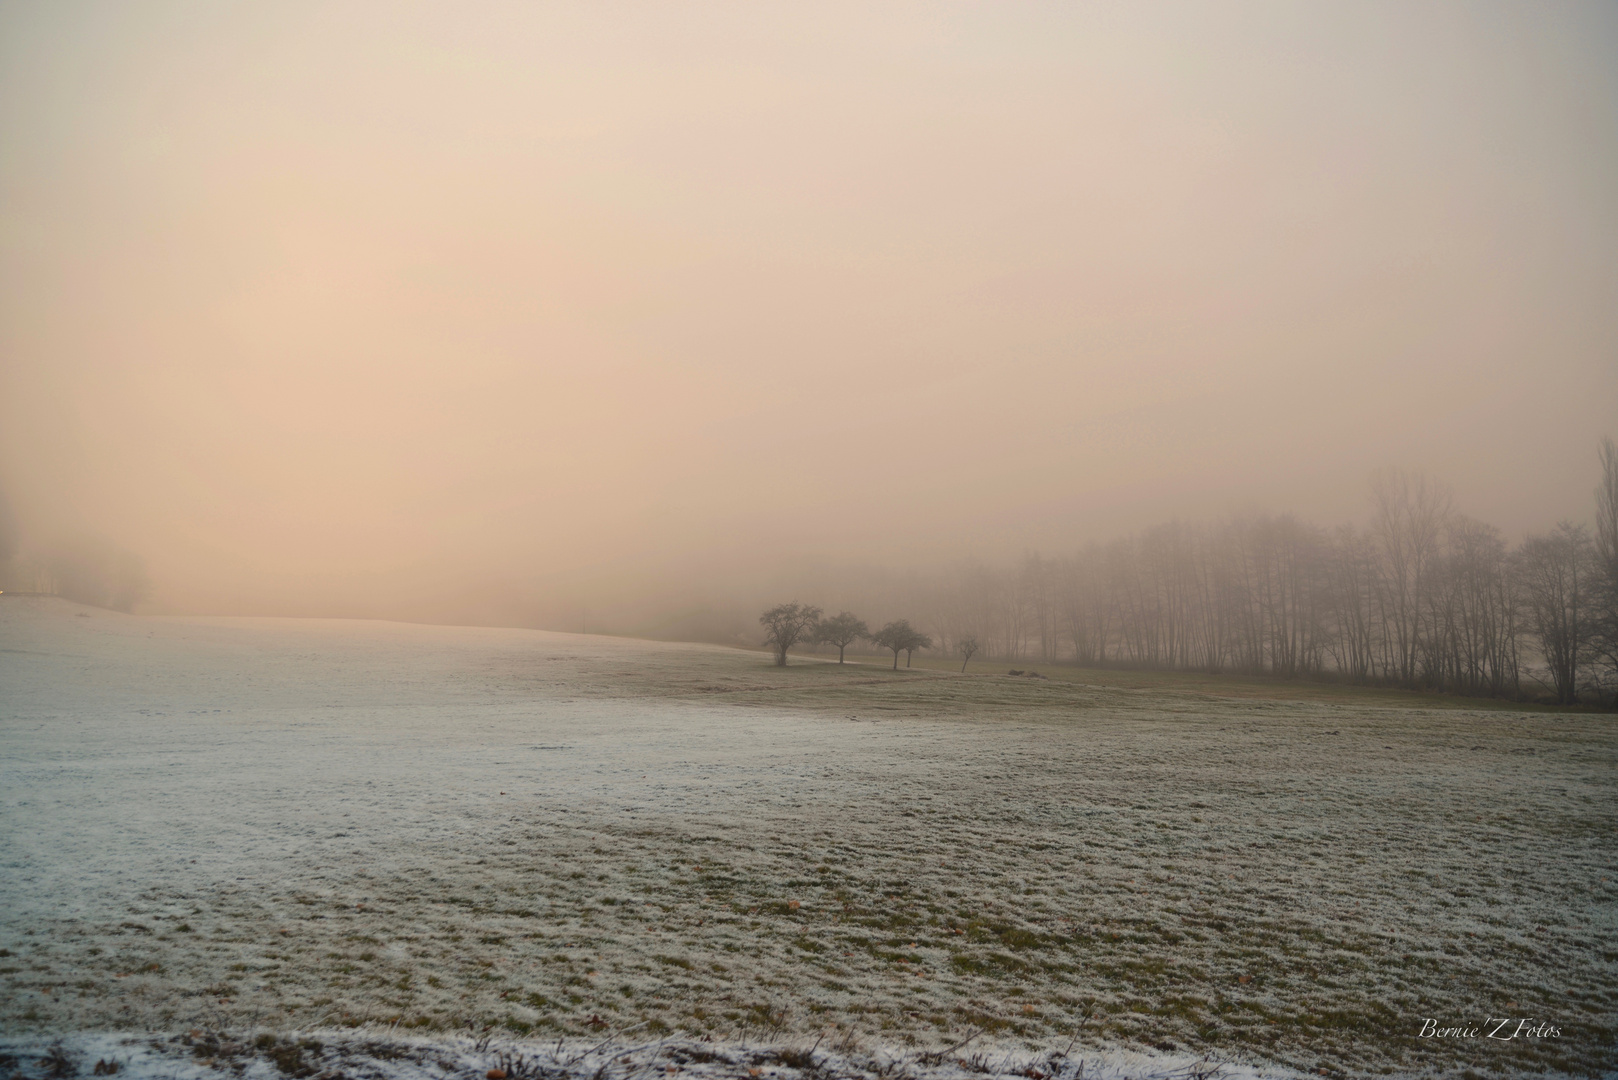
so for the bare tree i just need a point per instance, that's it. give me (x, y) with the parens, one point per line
(841, 631)
(1473, 605)
(787, 624)
(1351, 587)
(1411, 513)
(1604, 638)
(1557, 578)
(1607, 507)
(1034, 588)
(967, 647)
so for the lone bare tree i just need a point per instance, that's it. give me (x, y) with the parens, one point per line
(841, 631)
(787, 624)
(968, 647)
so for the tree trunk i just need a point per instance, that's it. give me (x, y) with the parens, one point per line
(840, 649)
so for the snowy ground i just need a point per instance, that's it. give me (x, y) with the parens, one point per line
(251, 829)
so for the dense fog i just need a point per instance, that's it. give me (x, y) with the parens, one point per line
(631, 319)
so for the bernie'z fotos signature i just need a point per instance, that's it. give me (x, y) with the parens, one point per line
(1503, 1029)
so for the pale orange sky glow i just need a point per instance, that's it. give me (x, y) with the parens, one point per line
(313, 304)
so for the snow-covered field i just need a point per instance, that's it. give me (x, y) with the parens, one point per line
(253, 828)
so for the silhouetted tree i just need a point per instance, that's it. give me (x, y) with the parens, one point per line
(841, 631)
(1605, 637)
(1423, 597)
(787, 624)
(901, 637)
(1558, 572)
(917, 641)
(1411, 514)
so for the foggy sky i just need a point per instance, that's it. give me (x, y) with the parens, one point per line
(318, 306)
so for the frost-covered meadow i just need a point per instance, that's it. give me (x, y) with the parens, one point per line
(248, 826)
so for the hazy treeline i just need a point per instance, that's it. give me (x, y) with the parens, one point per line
(89, 569)
(1421, 596)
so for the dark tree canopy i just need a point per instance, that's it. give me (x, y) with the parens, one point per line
(787, 624)
(901, 637)
(842, 632)
(917, 641)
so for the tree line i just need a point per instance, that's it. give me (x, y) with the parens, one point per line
(88, 569)
(1422, 596)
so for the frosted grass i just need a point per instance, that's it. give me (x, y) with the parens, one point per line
(247, 826)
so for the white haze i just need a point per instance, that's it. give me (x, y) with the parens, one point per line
(508, 313)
